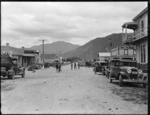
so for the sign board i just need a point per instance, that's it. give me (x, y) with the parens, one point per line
(104, 54)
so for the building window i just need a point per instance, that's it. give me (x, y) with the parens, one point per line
(121, 52)
(142, 25)
(125, 51)
(143, 53)
(134, 52)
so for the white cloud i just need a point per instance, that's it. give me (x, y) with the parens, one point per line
(24, 23)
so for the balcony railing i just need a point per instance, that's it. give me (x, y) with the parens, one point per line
(128, 37)
(141, 33)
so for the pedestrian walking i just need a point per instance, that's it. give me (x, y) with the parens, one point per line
(56, 67)
(33, 67)
(71, 65)
(78, 65)
(75, 65)
(59, 67)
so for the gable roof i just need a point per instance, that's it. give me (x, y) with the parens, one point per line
(140, 14)
(15, 51)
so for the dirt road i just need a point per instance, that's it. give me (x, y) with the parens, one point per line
(71, 91)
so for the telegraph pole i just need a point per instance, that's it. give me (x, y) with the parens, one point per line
(110, 48)
(43, 40)
(43, 51)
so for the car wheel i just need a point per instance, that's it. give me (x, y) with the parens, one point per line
(144, 84)
(107, 75)
(11, 76)
(110, 79)
(103, 73)
(120, 80)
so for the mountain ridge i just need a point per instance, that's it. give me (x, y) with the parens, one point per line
(56, 47)
(91, 49)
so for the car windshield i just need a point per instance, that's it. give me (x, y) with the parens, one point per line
(127, 63)
(104, 64)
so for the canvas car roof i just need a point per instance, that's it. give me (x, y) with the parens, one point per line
(101, 62)
(123, 60)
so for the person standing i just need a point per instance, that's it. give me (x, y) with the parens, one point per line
(74, 65)
(56, 67)
(59, 67)
(77, 65)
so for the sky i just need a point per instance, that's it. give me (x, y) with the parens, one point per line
(25, 24)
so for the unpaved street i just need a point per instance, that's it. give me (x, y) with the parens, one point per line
(71, 91)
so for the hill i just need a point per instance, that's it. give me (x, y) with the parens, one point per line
(56, 47)
(90, 50)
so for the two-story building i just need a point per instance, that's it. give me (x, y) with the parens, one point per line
(138, 36)
(124, 52)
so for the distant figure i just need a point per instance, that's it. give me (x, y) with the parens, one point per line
(75, 65)
(58, 67)
(71, 65)
(78, 65)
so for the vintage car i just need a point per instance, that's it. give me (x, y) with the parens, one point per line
(125, 70)
(100, 66)
(10, 68)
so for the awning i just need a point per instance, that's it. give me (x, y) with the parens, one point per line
(130, 25)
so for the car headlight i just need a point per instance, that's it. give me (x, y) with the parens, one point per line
(129, 70)
(140, 71)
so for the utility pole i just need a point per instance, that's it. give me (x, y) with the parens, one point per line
(43, 40)
(110, 48)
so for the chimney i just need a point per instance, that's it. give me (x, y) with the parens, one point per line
(7, 44)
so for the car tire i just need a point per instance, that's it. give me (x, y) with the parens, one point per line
(144, 84)
(120, 80)
(11, 76)
(110, 79)
(107, 75)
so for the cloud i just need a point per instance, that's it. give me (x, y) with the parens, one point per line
(75, 22)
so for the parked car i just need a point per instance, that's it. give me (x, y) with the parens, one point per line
(125, 70)
(100, 66)
(37, 66)
(10, 67)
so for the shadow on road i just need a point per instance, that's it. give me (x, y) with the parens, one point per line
(127, 84)
(131, 92)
